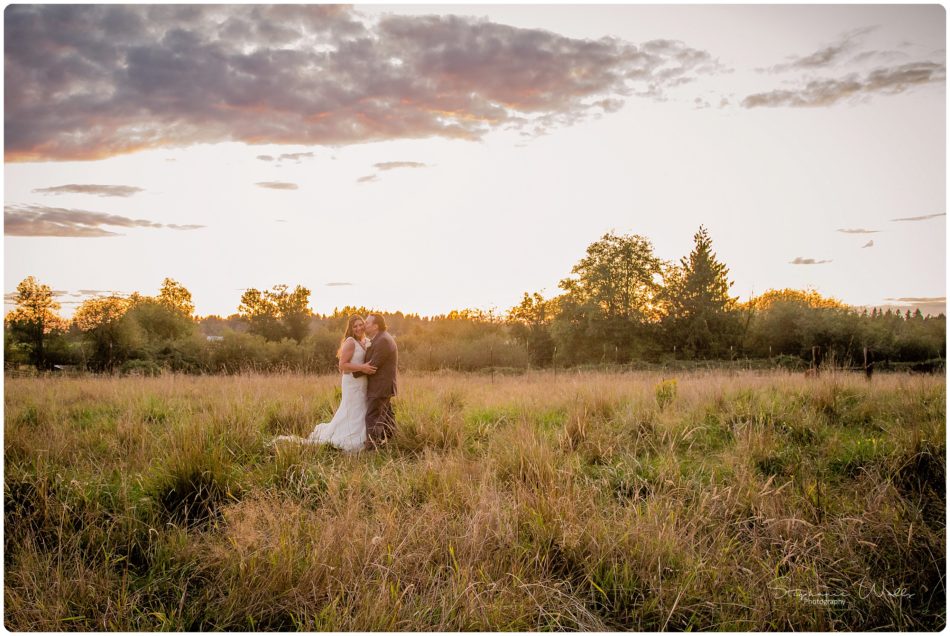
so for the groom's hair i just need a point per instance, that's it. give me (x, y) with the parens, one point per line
(378, 320)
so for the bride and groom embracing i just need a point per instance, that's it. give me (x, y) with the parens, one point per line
(365, 418)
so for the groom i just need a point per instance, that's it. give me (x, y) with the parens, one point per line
(381, 385)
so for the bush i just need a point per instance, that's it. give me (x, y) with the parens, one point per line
(140, 367)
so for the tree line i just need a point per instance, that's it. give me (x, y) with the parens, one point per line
(621, 305)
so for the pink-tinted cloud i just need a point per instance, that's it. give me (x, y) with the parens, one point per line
(393, 165)
(921, 218)
(827, 56)
(277, 185)
(40, 220)
(827, 92)
(98, 190)
(91, 81)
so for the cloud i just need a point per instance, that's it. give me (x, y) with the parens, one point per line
(277, 185)
(807, 261)
(40, 220)
(392, 165)
(927, 308)
(173, 226)
(99, 190)
(824, 57)
(288, 156)
(91, 81)
(295, 156)
(920, 218)
(339, 284)
(827, 92)
(858, 230)
(932, 305)
(868, 244)
(919, 299)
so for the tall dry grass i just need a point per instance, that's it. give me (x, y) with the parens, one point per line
(718, 501)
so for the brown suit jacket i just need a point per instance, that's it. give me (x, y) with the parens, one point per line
(382, 354)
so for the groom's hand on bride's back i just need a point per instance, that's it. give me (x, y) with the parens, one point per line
(367, 369)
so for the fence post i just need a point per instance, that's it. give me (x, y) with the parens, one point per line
(491, 362)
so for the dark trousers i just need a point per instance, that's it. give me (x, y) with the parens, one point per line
(380, 420)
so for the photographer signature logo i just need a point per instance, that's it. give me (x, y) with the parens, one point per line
(839, 598)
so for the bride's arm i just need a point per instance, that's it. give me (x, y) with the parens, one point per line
(346, 354)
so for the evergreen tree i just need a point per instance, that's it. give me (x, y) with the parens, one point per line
(701, 317)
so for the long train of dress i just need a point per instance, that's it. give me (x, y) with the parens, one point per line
(347, 429)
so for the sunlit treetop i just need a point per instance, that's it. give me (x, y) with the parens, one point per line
(809, 298)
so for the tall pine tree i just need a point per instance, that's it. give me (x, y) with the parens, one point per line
(701, 318)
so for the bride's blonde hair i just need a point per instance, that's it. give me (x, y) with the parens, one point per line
(348, 333)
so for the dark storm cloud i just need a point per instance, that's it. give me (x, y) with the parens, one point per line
(40, 220)
(858, 230)
(826, 92)
(277, 185)
(807, 261)
(92, 81)
(99, 190)
(920, 218)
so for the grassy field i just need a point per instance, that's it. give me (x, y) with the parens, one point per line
(715, 501)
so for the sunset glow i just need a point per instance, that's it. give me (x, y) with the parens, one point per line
(430, 158)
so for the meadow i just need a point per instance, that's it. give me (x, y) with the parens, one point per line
(720, 500)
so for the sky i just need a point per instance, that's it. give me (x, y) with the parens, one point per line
(439, 157)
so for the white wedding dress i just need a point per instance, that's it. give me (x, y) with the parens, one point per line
(347, 429)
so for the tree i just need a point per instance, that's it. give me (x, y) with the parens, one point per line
(174, 296)
(100, 321)
(34, 318)
(160, 322)
(277, 313)
(293, 307)
(530, 323)
(610, 305)
(701, 317)
(792, 321)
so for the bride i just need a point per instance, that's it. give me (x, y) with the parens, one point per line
(347, 429)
